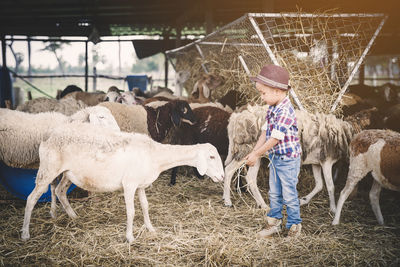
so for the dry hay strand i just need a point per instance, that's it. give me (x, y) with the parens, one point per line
(194, 228)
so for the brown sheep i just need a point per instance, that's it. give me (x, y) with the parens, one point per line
(378, 152)
(211, 127)
(202, 88)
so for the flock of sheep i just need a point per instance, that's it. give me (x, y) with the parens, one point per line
(112, 141)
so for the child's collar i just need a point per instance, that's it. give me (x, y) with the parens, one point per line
(283, 102)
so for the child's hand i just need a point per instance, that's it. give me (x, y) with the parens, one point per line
(251, 159)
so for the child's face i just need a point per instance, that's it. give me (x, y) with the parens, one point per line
(270, 95)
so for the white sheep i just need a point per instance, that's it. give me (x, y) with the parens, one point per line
(21, 133)
(378, 152)
(100, 160)
(66, 106)
(112, 96)
(325, 140)
(244, 128)
(129, 98)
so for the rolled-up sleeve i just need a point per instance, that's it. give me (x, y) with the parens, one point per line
(264, 127)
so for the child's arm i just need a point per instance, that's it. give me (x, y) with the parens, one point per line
(261, 140)
(261, 147)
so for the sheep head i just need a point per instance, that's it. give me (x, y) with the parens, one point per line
(209, 162)
(181, 112)
(203, 87)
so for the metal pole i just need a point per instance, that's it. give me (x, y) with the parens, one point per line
(358, 64)
(310, 15)
(29, 58)
(244, 65)
(3, 85)
(94, 79)
(86, 66)
(202, 56)
(3, 51)
(273, 58)
(209, 35)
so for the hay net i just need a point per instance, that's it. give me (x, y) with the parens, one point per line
(322, 52)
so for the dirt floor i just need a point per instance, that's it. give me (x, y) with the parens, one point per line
(194, 228)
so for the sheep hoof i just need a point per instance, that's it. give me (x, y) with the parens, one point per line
(130, 239)
(53, 214)
(25, 235)
(303, 201)
(228, 205)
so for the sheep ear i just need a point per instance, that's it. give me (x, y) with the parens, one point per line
(201, 163)
(94, 118)
(195, 88)
(206, 91)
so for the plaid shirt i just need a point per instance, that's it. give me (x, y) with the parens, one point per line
(281, 124)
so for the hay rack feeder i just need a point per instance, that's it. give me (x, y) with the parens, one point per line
(322, 53)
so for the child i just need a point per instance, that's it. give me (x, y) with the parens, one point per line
(280, 141)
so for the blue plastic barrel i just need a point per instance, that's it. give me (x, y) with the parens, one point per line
(139, 81)
(20, 182)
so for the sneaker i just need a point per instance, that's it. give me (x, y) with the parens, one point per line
(273, 226)
(295, 230)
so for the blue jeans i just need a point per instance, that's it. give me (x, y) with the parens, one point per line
(283, 178)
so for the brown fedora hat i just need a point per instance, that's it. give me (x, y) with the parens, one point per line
(273, 76)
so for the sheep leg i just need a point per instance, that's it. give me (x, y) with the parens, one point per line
(318, 185)
(129, 195)
(61, 192)
(327, 170)
(251, 179)
(357, 171)
(53, 208)
(374, 199)
(42, 183)
(229, 172)
(350, 184)
(196, 172)
(145, 209)
(229, 157)
(173, 176)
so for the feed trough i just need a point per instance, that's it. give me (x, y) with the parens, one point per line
(20, 182)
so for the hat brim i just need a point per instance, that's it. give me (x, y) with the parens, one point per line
(255, 79)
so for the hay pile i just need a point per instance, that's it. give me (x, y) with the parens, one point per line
(194, 228)
(307, 84)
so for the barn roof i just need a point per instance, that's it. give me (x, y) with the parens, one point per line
(162, 17)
